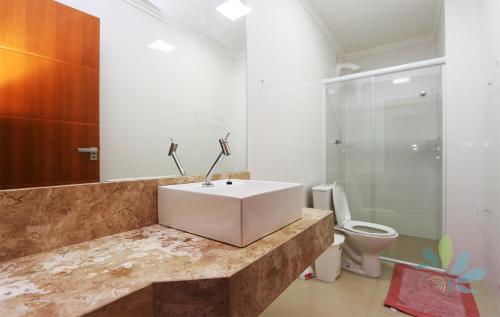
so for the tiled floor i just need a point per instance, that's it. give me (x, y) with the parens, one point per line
(350, 296)
(410, 249)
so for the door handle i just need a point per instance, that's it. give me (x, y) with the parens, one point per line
(337, 142)
(91, 151)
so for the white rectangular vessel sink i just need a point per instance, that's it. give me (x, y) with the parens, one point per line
(238, 214)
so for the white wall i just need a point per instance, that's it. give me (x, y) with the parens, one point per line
(490, 227)
(464, 99)
(473, 133)
(394, 57)
(288, 56)
(441, 32)
(195, 94)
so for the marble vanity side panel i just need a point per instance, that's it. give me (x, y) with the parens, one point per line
(255, 287)
(192, 298)
(137, 304)
(35, 220)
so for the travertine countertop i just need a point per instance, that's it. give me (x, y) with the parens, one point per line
(81, 278)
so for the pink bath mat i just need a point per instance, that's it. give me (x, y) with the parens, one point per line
(424, 293)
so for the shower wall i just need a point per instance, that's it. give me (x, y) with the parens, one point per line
(388, 152)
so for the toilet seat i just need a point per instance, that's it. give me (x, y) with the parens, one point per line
(343, 216)
(369, 229)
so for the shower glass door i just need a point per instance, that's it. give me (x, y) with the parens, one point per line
(350, 148)
(384, 138)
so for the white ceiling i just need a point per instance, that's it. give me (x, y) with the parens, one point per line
(200, 17)
(359, 25)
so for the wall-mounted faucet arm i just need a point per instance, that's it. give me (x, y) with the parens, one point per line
(173, 153)
(225, 151)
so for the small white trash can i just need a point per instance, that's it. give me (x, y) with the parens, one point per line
(328, 264)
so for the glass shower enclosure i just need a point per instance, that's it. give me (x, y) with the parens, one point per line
(384, 143)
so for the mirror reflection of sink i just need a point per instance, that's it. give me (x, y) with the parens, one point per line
(238, 214)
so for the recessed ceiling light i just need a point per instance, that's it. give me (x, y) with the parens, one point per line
(161, 46)
(401, 80)
(233, 9)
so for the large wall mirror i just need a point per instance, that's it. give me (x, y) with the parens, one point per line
(122, 77)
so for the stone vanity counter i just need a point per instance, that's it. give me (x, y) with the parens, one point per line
(159, 271)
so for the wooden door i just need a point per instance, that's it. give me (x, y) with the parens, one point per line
(49, 94)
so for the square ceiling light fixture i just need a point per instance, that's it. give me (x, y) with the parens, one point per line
(162, 46)
(233, 9)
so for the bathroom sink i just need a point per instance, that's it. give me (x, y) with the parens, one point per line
(238, 214)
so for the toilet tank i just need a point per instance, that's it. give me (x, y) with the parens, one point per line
(322, 197)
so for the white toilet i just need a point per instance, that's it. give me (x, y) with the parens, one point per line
(364, 240)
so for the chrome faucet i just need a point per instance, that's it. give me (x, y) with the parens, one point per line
(173, 153)
(225, 151)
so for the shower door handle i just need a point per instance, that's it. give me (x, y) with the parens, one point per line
(336, 142)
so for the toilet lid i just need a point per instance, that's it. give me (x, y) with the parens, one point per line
(340, 203)
(368, 228)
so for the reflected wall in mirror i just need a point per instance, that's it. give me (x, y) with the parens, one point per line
(165, 70)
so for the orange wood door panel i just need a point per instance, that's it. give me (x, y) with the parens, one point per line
(50, 29)
(41, 152)
(49, 94)
(37, 87)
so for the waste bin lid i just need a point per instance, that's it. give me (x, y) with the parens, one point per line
(338, 239)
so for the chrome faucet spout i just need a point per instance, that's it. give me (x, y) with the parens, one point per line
(225, 151)
(173, 153)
